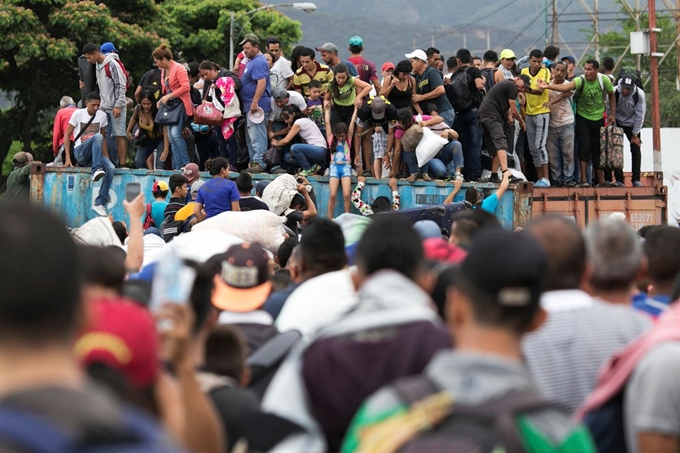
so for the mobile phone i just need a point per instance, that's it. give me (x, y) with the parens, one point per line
(132, 191)
(172, 282)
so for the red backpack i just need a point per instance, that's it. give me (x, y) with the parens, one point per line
(128, 78)
(148, 220)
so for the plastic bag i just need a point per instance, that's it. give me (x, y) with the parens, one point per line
(263, 227)
(429, 146)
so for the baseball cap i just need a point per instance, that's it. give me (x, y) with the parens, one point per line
(22, 158)
(160, 186)
(279, 94)
(257, 116)
(123, 336)
(427, 229)
(510, 268)
(190, 171)
(378, 108)
(108, 47)
(328, 47)
(260, 186)
(356, 41)
(243, 284)
(195, 186)
(252, 37)
(418, 53)
(387, 66)
(570, 58)
(440, 250)
(507, 54)
(627, 82)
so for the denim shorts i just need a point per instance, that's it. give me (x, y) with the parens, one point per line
(340, 171)
(119, 125)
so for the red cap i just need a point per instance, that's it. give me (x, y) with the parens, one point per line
(438, 249)
(387, 66)
(121, 335)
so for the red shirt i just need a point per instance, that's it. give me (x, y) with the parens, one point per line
(60, 125)
(365, 68)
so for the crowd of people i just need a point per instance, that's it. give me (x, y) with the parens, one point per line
(266, 113)
(366, 333)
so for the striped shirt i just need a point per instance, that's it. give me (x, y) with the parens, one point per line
(581, 334)
(302, 78)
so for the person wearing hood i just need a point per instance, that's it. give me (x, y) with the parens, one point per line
(112, 83)
(389, 330)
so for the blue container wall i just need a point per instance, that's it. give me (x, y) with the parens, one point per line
(70, 193)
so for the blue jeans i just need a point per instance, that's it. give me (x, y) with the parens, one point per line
(449, 116)
(256, 139)
(308, 155)
(180, 155)
(561, 153)
(412, 163)
(143, 153)
(89, 153)
(467, 125)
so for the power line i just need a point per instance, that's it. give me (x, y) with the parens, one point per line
(558, 16)
(540, 13)
(456, 30)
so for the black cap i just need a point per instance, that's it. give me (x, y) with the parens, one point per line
(510, 268)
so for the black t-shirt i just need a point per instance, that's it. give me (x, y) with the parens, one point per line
(173, 206)
(252, 204)
(292, 220)
(497, 101)
(427, 82)
(473, 74)
(387, 121)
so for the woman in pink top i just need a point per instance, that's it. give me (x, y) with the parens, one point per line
(175, 80)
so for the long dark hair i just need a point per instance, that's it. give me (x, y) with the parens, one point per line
(295, 56)
(215, 166)
(341, 68)
(149, 96)
(340, 128)
(291, 110)
(404, 66)
(405, 118)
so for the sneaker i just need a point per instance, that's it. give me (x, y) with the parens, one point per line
(515, 180)
(278, 170)
(619, 184)
(570, 184)
(427, 177)
(412, 177)
(309, 172)
(100, 210)
(584, 184)
(97, 175)
(460, 177)
(367, 173)
(494, 179)
(637, 184)
(542, 183)
(327, 173)
(354, 172)
(255, 168)
(608, 184)
(233, 169)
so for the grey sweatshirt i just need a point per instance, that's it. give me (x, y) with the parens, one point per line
(628, 113)
(111, 89)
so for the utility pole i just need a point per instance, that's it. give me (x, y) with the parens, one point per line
(596, 23)
(488, 38)
(555, 32)
(654, 77)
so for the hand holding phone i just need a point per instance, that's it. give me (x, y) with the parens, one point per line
(132, 190)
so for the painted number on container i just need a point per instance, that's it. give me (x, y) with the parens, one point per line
(639, 219)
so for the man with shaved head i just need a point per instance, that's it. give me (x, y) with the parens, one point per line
(581, 332)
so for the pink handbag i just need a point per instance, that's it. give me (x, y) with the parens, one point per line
(207, 114)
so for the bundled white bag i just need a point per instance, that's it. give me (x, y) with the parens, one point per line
(98, 231)
(263, 227)
(429, 146)
(200, 246)
(279, 193)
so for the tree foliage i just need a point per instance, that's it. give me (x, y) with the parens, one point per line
(42, 40)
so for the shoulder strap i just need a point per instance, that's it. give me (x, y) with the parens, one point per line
(83, 129)
(148, 209)
(414, 388)
(32, 433)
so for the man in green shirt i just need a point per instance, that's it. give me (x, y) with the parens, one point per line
(591, 91)
(18, 187)
(494, 302)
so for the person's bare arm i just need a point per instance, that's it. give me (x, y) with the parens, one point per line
(612, 107)
(198, 211)
(259, 91)
(389, 83)
(561, 88)
(480, 82)
(363, 89)
(235, 206)
(504, 184)
(294, 129)
(67, 145)
(515, 114)
(135, 247)
(353, 123)
(203, 429)
(327, 120)
(457, 184)
(416, 105)
(439, 91)
(376, 84)
(432, 121)
(658, 443)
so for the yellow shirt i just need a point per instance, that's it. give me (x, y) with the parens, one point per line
(535, 102)
(185, 212)
(302, 78)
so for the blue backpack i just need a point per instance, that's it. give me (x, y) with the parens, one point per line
(137, 433)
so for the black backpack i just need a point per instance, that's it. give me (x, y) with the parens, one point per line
(152, 82)
(636, 95)
(606, 426)
(459, 93)
(631, 73)
(489, 74)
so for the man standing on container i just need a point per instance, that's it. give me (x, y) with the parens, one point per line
(631, 108)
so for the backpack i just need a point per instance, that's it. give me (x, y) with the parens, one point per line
(128, 78)
(171, 228)
(606, 426)
(459, 93)
(579, 91)
(266, 360)
(481, 428)
(195, 95)
(29, 432)
(152, 82)
(633, 74)
(148, 220)
(489, 74)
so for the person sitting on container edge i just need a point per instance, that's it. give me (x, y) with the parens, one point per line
(380, 204)
(66, 108)
(18, 182)
(89, 126)
(473, 196)
(218, 194)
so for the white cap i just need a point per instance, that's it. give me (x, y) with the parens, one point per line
(418, 53)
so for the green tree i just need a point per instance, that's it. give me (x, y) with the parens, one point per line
(205, 26)
(613, 41)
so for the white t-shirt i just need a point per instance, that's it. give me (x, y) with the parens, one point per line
(310, 133)
(295, 99)
(80, 118)
(282, 70)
